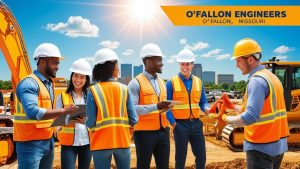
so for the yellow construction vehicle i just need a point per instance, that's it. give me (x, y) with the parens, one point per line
(14, 50)
(289, 75)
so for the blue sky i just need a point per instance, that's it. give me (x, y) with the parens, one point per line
(79, 28)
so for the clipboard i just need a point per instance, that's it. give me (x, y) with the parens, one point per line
(61, 120)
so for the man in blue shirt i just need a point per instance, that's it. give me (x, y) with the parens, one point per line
(32, 131)
(189, 90)
(263, 110)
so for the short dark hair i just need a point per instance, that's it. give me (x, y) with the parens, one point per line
(103, 72)
(84, 88)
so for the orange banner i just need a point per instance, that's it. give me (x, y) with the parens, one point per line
(233, 15)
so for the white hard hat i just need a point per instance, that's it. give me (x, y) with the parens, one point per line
(185, 55)
(104, 55)
(81, 66)
(150, 50)
(46, 50)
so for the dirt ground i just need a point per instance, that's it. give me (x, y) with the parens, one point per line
(218, 157)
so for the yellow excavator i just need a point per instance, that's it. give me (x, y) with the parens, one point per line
(289, 75)
(14, 50)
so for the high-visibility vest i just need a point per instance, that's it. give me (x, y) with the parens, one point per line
(272, 124)
(153, 120)
(26, 129)
(190, 102)
(67, 133)
(112, 125)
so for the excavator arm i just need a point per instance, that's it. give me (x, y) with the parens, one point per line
(13, 46)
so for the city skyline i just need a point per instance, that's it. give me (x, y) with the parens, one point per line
(79, 29)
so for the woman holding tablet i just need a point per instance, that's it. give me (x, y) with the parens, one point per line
(74, 136)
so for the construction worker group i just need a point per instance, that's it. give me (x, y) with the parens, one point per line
(148, 105)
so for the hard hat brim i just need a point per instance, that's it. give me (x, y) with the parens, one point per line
(185, 60)
(150, 56)
(80, 72)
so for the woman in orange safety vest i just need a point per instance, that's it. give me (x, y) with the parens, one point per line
(74, 136)
(110, 113)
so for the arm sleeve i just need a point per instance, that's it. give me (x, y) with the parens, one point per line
(169, 114)
(134, 88)
(133, 117)
(203, 101)
(27, 93)
(257, 92)
(91, 110)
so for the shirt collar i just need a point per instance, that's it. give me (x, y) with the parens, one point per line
(42, 77)
(257, 68)
(182, 77)
(149, 76)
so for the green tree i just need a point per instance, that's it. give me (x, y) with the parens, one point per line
(225, 86)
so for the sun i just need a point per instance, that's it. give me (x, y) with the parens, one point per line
(142, 10)
(137, 18)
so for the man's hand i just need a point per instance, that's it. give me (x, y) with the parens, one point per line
(163, 105)
(70, 109)
(224, 117)
(174, 124)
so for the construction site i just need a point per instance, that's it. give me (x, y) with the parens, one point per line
(223, 142)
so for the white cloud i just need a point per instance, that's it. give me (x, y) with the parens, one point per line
(110, 44)
(197, 46)
(183, 41)
(223, 56)
(172, 59)
(212, 53)
(90, 60)
(283, 49)
(281, 57)
(75, 27)
(128, 52)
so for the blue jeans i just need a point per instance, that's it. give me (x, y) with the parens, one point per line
(35, 154)
(102, 158)
(189, 131)
(260, 160)
(152, 142)
(69, 155)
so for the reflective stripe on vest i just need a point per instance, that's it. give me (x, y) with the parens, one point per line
(273, 116)
(66, 134)
(26, 129)
(112, 118)
(153, 120)
(190, 102)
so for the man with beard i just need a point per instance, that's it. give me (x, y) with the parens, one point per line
(151, 133)
(34, 111)
(263, 111)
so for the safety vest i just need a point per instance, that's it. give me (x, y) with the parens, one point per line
(272, 124)
(66, 134)
(153, 120)
(190, 102)
(26, 129)
(112, 125)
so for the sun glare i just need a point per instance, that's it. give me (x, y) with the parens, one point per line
(144, 9)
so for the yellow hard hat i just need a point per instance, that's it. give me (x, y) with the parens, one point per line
(245, 47)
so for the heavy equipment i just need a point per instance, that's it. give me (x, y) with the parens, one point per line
(14, 50)
(289, 75)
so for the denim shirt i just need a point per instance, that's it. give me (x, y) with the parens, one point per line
(91, 110)
(27, 91)
(258, 90)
